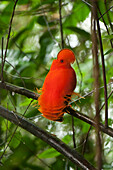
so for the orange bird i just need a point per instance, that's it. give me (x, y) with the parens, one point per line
(58, 86)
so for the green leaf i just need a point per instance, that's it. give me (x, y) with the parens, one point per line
(102, 8)
(23, 2)
(109, 51)
(45, 41)
(109, 37)
(85, 127)
(42, 21)
(25, 103)
(79, 13)
(67, 139)
(22, 34)
(49, 153)
(5, 0)
(6, 13)
(107, 166)
(15, 140)
(80, 31)
(32, 113)
(3, 28)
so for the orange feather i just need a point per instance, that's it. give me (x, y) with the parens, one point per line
(58, 86)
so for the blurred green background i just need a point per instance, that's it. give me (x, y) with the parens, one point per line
(34, 43)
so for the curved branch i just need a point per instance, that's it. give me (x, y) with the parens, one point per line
(19, 90)
(53, 141)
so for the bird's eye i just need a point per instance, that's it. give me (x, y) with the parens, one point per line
(61, 61)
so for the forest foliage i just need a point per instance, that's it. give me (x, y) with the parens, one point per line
(34, 42)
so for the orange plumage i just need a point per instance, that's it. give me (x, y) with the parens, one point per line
(58, 86)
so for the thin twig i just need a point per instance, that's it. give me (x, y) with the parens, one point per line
(10, 25)
(10, 99)
(108, 15)
(83, 150)
(6, 135)
(2, 59)
(80, 74)
(89, 93)
(47, 24)
(105, 13)
(7, 145)
(60, 20)
(73, 129)
(14, 132)
(35, 154)
(106, 27)
(16, 72)
(87, 3)
(25, 78)
(107, 10)
(104, 75)
(86, 139)
(104, 102)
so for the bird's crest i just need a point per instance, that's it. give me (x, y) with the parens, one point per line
(66, 54)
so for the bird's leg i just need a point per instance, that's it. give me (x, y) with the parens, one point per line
(39, 90)
(35, 103)
(77, 94)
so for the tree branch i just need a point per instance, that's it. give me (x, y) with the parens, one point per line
(81, 116)
(19, 90)
(53, 141)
